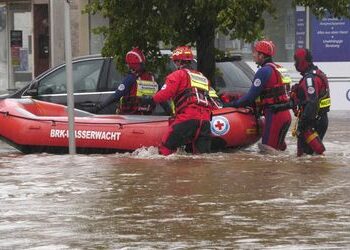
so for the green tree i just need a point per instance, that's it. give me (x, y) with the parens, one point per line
(144, 23)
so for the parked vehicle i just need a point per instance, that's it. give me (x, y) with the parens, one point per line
(95, 78)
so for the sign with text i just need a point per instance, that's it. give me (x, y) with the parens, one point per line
(330, 39)
(16, 38)
(300, 28)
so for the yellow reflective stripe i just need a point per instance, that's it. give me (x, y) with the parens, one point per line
(146, 88)
(172, 107)
(121, 100)
(311, 137)
(324, 103)
(286, 79)
(198, 81)
(212, 93)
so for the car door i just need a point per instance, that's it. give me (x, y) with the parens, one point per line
(108, 84)
(87, 75)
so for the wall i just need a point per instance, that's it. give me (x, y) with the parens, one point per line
(79, 30)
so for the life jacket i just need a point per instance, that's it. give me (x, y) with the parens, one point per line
(196, 93)
(214, 99)
(286, 79)
(275, 92)
(131, 104)
(321, 89)
(324, 94)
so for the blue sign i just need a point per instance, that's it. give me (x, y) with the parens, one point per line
(330, 39)
(300, 28)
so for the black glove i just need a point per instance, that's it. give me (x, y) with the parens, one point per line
(98, 107)
(167, 108)
(281, 107)
(147, 100)
(233, 104)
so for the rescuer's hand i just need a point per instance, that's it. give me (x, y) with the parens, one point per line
(232, 104)
(147, 100)
(281, 107)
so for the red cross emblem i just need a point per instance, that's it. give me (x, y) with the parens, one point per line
(219, 124)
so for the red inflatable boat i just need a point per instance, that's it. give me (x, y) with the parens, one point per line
(35, 126)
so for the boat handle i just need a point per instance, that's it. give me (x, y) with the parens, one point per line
(138, 131)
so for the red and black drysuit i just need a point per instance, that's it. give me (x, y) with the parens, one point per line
(307, 96)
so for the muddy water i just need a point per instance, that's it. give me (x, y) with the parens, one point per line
(236, 200)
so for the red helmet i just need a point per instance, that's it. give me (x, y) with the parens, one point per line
(266, 47)
(302, 59)
(135, 56)
(182, 53)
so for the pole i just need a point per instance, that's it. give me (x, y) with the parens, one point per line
(307, 30)
(69, 70)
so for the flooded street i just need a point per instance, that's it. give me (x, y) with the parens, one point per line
(237, 200)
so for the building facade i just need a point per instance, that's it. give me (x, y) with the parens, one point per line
(32, 38)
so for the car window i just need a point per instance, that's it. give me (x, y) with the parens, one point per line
(85, 78)
(114, 77)
(232, 75)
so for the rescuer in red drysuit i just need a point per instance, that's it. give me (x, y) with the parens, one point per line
(189, 90)
(268, 89)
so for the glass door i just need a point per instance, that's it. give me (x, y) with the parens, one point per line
(20, 44)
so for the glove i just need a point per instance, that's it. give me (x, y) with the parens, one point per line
(233, 104)
(167, 108)
(147, 100)
(98, 107)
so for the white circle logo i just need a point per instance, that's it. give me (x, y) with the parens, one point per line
(121, 87)
(257, 82)
(311, 90)
(219, 125)
(164, 86)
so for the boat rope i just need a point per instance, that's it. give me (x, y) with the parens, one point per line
(78, 122)
(236, 110)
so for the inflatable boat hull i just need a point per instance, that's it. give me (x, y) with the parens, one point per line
(34, 126)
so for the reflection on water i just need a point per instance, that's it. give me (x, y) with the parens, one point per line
(237, 200)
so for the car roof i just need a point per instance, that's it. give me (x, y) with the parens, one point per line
(88, 57)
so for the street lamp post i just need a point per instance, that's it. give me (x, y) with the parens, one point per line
(69, 70)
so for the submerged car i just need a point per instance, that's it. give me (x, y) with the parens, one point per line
(96, 77)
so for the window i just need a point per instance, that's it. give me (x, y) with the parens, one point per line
(233, 75)
(85, 78)
(114, 77)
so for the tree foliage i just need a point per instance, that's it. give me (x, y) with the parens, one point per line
(144, 23)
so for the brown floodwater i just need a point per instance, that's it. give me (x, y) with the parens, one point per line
(141, 200)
